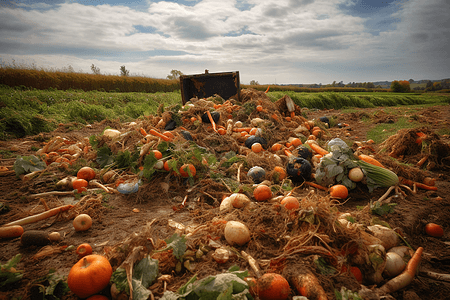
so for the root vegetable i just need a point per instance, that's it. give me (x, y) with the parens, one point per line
(65, 184)
(225, 205)
(339, 191)
(112, 133)
(262, 193)
(356, 174)
(236, 233)
(434, 230)
(272, 286)
(290, 203)
(388, 237)
(41, 216)
(82, 222)
(404, 251)
(239, 200)
(11, 231)
(34, 238)
(407, 276)
(370, 160)
(83, 250)
(308, 286)
(54, 236)
(394, 264)
(317, 149)
(221, 255)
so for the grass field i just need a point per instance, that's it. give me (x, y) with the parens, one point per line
(29, 112)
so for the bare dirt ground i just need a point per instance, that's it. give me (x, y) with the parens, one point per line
(117, 218)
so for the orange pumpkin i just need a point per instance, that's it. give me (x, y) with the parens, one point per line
(89, 275)
(86, 173)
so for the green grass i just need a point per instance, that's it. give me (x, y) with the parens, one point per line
(382, 131)
(26, 112)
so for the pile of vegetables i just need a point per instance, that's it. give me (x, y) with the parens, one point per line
(341, 166)
(261, 174)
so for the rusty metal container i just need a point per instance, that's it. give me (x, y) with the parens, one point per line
(226, 85)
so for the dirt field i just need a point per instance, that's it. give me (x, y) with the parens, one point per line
(122, 220)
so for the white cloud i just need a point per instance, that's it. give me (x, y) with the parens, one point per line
(288, 41)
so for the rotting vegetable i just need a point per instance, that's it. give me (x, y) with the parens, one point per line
(11, 231)
(272, 286)
(407, 276)
(82, 222)
(42, 216)
(236, 233)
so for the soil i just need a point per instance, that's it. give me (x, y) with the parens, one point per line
(153, 213)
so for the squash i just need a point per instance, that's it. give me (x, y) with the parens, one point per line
(89, 275)
(299, 169)
(257, 174)
(304, 152)
(255, 139)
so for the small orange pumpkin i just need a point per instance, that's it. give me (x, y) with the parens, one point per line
(89, 275)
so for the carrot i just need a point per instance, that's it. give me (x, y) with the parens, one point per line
(407, 276)
(160, 135)
(370, 160)
(292, 114)
(288, 152)
(318, 186)
(275, 117)
(308, 285)
(422, 161)
(242, 129)
(11, 231)
(211, 120)
(142, 131)
(267, 89)
(419, 185)
(42, 216)
(319, 150)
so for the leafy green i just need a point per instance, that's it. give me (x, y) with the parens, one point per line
(126, 159)
(334, 168)
(144, 273)
(382, 209)
(28, 164)
(346, 294)
(149, 163)
(104, 156)
(54, 286)
(225, 286)
(324, 268)
(177, 243)
(8, 272)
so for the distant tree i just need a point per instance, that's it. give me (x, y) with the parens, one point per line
(370, 85)
(124, 71)
(429, 84)
(95, 70)
(411, 80)
(254, 82)
(174, 74)
(401, 86)
(437, 86)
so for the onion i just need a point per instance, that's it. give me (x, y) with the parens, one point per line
(404, 251)
(236, 233)
(225, 205)
(239, 200)
(394, 264)
(388, 237)
(356, 174)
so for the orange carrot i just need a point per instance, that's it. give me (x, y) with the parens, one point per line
(429, 181)
(370, 160)
(319, 150)
(422, 161)
(407, 276)
(267, 89)
(318, 186)
(275, 117)
(292, 114)
(142, 131)
(211, 120)
(419, 185)
(242, 129)
(160, 135)
(288, 152)
(11, 231)
(42, 216)
(308, 285)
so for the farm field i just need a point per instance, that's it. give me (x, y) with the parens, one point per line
(185, 213)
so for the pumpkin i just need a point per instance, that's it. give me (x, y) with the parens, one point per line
(299, 169)
(257, 174)
(89, 275)
(255, 139)
(215, 116)
(304, 152)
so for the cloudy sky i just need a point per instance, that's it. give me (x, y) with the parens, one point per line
(270, 41)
